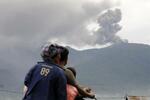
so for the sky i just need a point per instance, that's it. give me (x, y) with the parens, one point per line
(135, 21)
(77, 23)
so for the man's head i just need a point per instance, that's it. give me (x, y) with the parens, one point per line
(50, 52)
(55, 53)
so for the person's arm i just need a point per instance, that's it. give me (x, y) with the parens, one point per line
(27, 80)
(83, 92)
(61, 93)
(70, 77)
(25, 88)
(72, 81)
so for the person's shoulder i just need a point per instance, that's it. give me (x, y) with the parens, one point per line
(59, 70)
(69, 74)
(56, 68)
(67, 71)
(44, 64)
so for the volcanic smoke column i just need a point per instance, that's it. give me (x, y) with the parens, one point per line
(108, 23)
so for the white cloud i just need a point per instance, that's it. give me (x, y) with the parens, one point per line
(135, 21)
(27, 24)
(36, 21)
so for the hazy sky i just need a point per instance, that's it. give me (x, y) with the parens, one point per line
(29, 23)
(135, 21)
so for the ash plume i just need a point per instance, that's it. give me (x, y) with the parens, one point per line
(109, 26)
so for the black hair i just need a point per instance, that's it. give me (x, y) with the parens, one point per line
(49, 52)
(64, 52)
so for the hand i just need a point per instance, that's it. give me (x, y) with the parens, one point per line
(87, 89)
(92, 96)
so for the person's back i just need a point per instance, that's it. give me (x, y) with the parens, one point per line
(45, 81)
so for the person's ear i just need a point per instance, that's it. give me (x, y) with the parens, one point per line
(57, 59)
(59, 56)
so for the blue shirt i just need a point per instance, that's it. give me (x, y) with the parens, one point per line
(45, 81)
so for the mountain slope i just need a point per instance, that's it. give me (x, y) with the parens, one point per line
(118, 68)
(121, 68)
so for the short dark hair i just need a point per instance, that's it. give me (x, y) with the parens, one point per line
(64, 52)
(49, 51)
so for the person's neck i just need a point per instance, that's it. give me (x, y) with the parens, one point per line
(61, 65)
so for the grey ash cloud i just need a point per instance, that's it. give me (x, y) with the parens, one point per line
(27, 24)
(109, 26)
(32, 22)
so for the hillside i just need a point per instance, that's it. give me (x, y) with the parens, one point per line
(122, 68)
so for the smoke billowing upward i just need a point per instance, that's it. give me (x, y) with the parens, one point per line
(27, 24)
(32, 22)
(103, 33)
(108, 23)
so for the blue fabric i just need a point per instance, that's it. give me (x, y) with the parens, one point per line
(45, 81)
